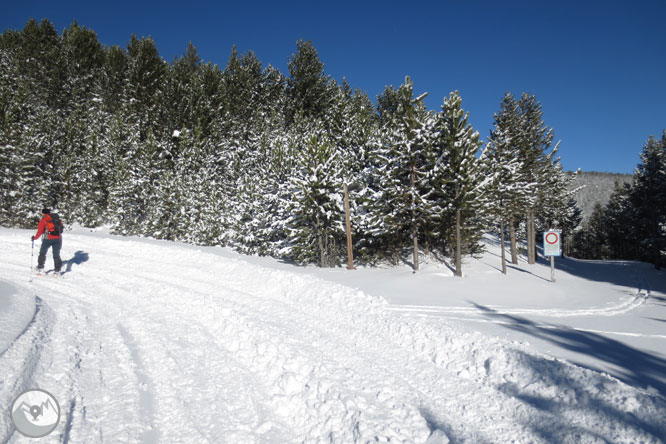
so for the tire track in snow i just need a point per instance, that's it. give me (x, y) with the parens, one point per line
(461, 421)
(156, 323)
(26, 349)
(333, 392)
(86, 367)
(258, 342)
(145, 389)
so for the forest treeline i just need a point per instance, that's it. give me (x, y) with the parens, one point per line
(252, 158)
(632, 224)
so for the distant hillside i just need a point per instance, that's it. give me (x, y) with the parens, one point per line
(598, 187)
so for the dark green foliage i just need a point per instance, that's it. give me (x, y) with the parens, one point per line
(456, 180)
(310, 89)
(314, 227)
(403, 207)
(242, 156)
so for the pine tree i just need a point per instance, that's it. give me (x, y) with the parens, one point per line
(181, 95)
(555, 206)
(128, 195)
(506, 144)
(456, 177)
(40, 64)
(113, 79)
(12, 111)
(648, 195)
(310, 89)
(351, 126)
(268, 206)
(401, 175)
(510, 186)
(315, 229)
(145, 75)
(535, 139)
(83, 58)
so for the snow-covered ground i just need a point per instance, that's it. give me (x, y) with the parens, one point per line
(146, 341)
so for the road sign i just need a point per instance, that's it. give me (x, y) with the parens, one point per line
(551, 243)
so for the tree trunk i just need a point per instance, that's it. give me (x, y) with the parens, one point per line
(416, 247)
(512, 238)
(502, 246)
(528, 232)
(531, 237)
(320, 242)
(350, 252)
(458, 249)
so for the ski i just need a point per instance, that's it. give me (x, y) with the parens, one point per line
(53, 273)
(49, 273)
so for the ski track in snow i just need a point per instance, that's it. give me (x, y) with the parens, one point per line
(155, 342)
(631, 303)
(475, 314)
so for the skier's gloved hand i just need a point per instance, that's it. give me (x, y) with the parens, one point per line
(32, 238)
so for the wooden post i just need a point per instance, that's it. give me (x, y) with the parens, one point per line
(415, 234)
(350, 252)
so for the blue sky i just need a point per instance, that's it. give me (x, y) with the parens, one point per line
(597, 67)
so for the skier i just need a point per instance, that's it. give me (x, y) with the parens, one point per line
(53, 227)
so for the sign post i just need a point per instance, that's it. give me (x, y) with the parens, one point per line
(551, 247)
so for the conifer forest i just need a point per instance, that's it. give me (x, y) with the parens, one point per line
(252, 158)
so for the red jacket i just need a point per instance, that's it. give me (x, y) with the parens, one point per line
(41, 228)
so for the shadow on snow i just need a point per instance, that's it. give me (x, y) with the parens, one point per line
(78, 258)
(588, 393)
(634, 367)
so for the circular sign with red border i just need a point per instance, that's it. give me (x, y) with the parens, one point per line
(552, 238)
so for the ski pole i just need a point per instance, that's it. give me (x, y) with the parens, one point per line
(32, 257)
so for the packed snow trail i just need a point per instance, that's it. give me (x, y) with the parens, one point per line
(146, 341)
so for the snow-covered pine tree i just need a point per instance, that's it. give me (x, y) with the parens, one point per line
(351, 125)
(648, 199)
(273, 206)
(315, 228)
(456, 178)
(310, 90)
(28, 151)
(610, 232)
(113, 79)
(30, 122)
(534, 139)
(511, 187)
(401, 175)
(80, 161)
(180, 93)
(263, 196)
(591, 242)
(146, 74)
(83, 58)
(39, 60)
(555, 206)
(127, 191)
(12, 111)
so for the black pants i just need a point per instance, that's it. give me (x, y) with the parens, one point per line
(46, 244)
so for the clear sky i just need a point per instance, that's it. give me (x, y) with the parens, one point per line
(597, 67)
